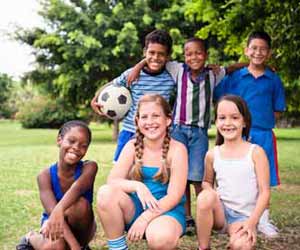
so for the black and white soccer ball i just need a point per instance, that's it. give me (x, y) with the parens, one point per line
(115, 101)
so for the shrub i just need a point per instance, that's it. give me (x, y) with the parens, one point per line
(43, 112)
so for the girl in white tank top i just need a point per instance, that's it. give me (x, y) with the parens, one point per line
(242, 177)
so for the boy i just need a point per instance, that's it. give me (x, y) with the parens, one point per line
(191, 115)
(153, 79)
(264, 94)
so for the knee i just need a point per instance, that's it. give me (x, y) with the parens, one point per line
(80, 210)
(161, 240)
(106, 197)
(206, 200)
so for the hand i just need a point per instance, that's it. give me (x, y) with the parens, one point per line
(216, 69)
(146, 198)
(247, 227)
(137, 230)
(54, 229)
(96, 106)
(135, 72)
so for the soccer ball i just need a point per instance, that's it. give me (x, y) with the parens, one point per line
(115, 101)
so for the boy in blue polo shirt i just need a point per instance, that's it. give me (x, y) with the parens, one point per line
(263, 91)
(153, 79)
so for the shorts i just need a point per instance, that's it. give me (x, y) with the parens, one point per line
(196, 141)
(178, 212)
(123, 138)
(267, 140)
(231, 216)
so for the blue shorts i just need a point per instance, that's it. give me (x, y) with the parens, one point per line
(267, 140)
(177, 212)
(232, 216)
(196, 141)
(123, 138)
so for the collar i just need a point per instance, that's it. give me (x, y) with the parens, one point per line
(202, 75)
(268, 73)
(145, 70)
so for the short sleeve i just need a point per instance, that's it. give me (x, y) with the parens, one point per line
(220, 89)
(173, 68)
(279, 102)
(122, 79)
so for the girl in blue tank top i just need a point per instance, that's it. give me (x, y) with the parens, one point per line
(144, 194)
(66, 193)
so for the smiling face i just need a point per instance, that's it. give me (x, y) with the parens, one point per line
(229, 121)
(73, 145)
(156, 57)
(152, 122)
(195, 55)
(258, 52)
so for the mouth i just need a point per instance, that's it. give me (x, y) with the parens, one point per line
(73, 155)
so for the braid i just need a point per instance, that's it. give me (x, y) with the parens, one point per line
(163, 175)
(139, 150)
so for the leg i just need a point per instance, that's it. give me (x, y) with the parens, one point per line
(210, 214)
(123, 138)
(80, 218)
(114, 208)
(163, 233)
(187, 204)
(236, 241)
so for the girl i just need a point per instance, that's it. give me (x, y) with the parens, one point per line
(145, 189)
(66, 193)
(242, 174)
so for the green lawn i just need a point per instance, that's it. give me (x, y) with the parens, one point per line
(23, 153)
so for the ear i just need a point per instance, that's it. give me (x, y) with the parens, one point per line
(144, 51)
(169, 121)
(58, 141)
(269, 54)
(246, 51)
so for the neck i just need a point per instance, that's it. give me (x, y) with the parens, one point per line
(256, 70)
(195, 73)
(234, 144)
(154, 145)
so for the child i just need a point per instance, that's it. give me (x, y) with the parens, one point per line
(191, 117)
(264, 94)
(145, 190)
(242, 174)
(153, 79)
(66, 192)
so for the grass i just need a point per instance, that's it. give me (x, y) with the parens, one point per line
(24, 153)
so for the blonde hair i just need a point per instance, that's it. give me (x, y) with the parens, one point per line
(162, 175)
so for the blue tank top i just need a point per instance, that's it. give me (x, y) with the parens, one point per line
(57, 188)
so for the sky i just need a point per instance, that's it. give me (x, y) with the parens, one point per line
(16, 58)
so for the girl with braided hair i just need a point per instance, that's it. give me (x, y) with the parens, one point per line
(144, 194)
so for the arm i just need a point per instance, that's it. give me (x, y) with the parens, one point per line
(94, 102)
(235, 66)
(135, 71)
(261, 166)
(209, 174)
(55, 225)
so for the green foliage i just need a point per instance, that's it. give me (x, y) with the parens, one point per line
(43, 112)
(6, 84)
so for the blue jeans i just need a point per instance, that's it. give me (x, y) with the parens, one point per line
(196, 141)
(124, 137)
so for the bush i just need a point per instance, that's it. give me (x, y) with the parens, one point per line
(43, 112)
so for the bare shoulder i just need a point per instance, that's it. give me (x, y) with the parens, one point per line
(89, 163)
(258, 151)
(210, 155)
(44, 173)
(177, 147)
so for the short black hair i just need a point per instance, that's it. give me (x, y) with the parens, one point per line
(259, 35)
(198, 40)
(75, 123)
(161, 37)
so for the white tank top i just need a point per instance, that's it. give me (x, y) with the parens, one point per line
(236, 181)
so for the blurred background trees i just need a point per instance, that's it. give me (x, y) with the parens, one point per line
(84, 44)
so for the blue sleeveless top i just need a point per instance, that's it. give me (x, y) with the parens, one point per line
(57, 188)
(158, 190)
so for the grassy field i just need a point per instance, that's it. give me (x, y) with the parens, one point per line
(23, 153)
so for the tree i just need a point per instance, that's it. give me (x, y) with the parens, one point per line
(6, 83)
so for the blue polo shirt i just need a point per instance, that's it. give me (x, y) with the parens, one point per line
(264, 95)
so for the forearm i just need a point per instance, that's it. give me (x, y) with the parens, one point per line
(70, 238)
(261, 205)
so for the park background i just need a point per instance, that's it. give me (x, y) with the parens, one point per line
(83, 44)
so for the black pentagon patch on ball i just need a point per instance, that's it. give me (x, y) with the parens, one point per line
(111, 113)
(105, 97)
(122, 99)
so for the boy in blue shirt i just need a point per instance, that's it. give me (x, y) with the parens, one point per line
(153, 79)
(264, 94)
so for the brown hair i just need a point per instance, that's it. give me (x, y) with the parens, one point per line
(162, 174)
(244, 111)
(161, 37)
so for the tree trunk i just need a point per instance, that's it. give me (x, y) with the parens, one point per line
(115, 130)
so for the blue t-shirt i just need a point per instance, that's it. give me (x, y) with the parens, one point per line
(159, 83)
(264, 95)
